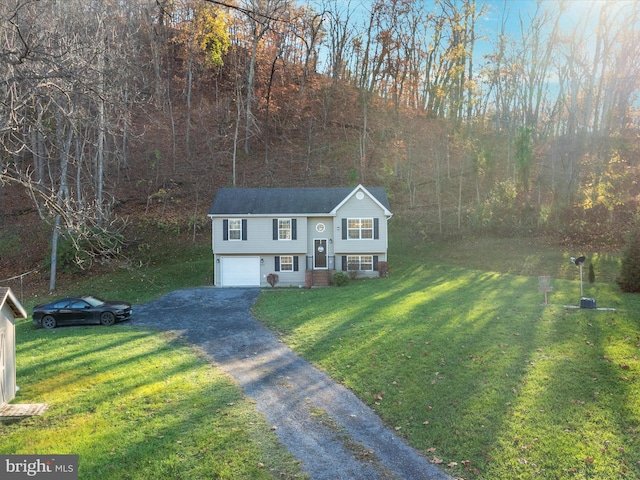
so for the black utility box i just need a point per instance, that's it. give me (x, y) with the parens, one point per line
(587, 302)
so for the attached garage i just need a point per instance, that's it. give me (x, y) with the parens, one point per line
(240, 271)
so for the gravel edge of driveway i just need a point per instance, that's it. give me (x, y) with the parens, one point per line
(331, 431)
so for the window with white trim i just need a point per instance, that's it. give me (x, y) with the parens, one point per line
(360, 263)
(235, 229)
(359, 228)
(286, 263)
(284, 229)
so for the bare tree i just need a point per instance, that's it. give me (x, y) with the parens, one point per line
(60, 64)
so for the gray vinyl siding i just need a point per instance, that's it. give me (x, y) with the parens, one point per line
(313, 206)
(365, 208)
(267, 266)
(260, 238)
(313, 234)
(260, 243)
(286, 278)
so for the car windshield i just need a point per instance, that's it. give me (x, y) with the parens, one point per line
(93, 301)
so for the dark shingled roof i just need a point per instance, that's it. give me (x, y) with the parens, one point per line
(266, 201)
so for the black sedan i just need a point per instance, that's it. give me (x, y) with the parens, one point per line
(80, 311)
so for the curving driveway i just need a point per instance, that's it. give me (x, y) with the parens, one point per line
(320, 422)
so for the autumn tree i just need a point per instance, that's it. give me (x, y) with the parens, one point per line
(65, 113)
(204, 38)
(629, 279)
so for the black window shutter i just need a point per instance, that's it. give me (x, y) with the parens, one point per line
(344, 263)
(225, 229)
(376, 228)
(295, 264)
(277, 266)
(244, 229)
(294, 229)
(344, 228)
(275, 229)
(375, 263)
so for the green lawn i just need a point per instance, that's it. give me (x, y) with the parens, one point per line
(137, 404)
(133, 403)
(453, 350)
(464, 362)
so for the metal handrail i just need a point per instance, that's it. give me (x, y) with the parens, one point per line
(331, 263)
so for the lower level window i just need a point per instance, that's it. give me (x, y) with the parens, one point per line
(360, 262)
(286, 263)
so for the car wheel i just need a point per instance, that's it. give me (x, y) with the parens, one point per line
(107, 318)
(48, 321)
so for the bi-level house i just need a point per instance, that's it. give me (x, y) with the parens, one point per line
(302, 235)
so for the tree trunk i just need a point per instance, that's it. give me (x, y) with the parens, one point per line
(102, 126)
(188, 120)
(249, 100)
(54, 254)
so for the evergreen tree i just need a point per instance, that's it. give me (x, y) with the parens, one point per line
(629, 279)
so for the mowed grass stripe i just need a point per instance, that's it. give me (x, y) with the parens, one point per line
(474, 372)
(138, 404)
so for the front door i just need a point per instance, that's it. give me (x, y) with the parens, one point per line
(320, 253)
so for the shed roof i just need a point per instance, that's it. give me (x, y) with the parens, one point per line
(7, 296)
(276, 201)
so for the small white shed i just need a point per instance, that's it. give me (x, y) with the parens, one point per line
(10, 310)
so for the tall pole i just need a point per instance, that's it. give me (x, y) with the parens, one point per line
(579, 261)
(581, 280)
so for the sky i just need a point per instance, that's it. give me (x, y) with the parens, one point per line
(519, 14)
(516, 10)
(576, 13)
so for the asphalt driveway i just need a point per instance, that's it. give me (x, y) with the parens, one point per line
(346, 441)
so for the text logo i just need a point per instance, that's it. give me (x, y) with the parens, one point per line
(49, 467)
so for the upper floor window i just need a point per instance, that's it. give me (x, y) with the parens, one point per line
(359, 228)
(234, 229)
(284, 229)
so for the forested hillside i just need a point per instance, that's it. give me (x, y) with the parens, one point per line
(477, 116)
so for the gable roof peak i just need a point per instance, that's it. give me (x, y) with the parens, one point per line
(7, 296)
(361, 188)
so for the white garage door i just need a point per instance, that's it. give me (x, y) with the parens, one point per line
(240, 271)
